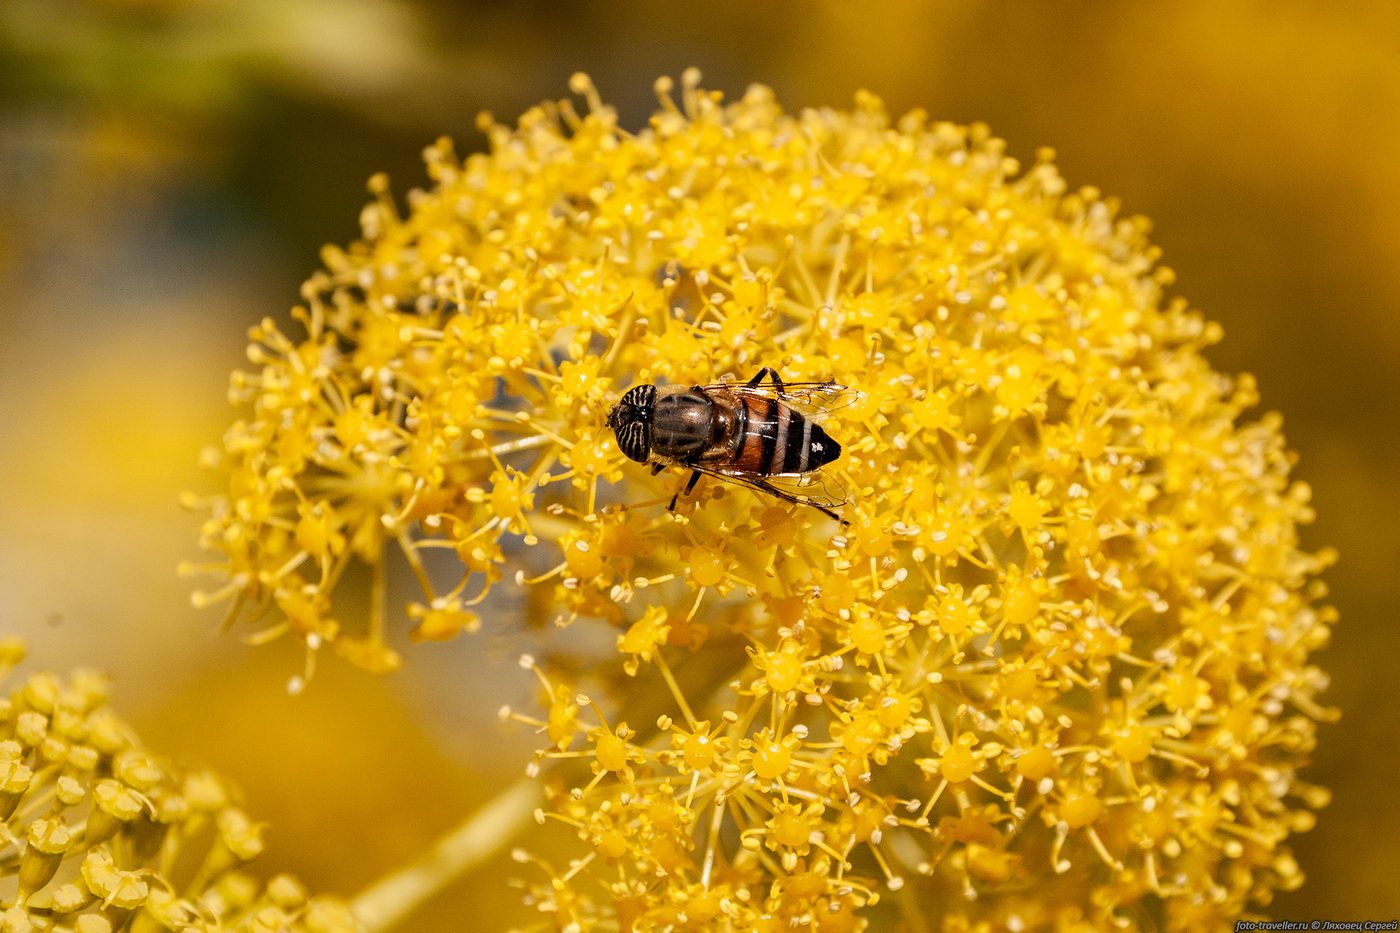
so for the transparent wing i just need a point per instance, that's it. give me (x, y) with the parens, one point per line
(813, 399)
(821, 489)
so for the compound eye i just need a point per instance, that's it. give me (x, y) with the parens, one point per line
(632, 441)
(640, 396)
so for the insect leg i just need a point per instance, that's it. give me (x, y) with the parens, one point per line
(769, 372)
(690, 484)
(657, 468)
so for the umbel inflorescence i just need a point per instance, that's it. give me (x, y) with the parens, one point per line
(1053, 676)
(101, 835)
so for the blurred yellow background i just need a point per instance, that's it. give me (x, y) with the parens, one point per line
(170, 168)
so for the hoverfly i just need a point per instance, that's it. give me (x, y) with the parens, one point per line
(763, 437)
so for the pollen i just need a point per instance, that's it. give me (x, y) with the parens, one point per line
(957, 764)
(771, 757)
(1036, 763)
(699, 751)
(706, 567)
(1079, 809)
(611, 752)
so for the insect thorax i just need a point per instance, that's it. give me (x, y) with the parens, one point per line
(683, 425)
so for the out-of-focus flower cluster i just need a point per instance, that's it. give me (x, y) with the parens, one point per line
(101, 835)
(1053, 676)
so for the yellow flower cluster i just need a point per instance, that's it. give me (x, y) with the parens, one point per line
(1053, 675)
(102, 836)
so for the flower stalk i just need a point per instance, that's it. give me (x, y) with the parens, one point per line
(385, 904)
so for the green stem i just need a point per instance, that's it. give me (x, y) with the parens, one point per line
(385, 904)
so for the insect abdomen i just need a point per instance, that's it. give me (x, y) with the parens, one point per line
(780, 439)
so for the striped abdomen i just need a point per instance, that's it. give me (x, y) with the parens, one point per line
(779, 439)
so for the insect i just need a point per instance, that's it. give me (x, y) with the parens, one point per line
(761, 436)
